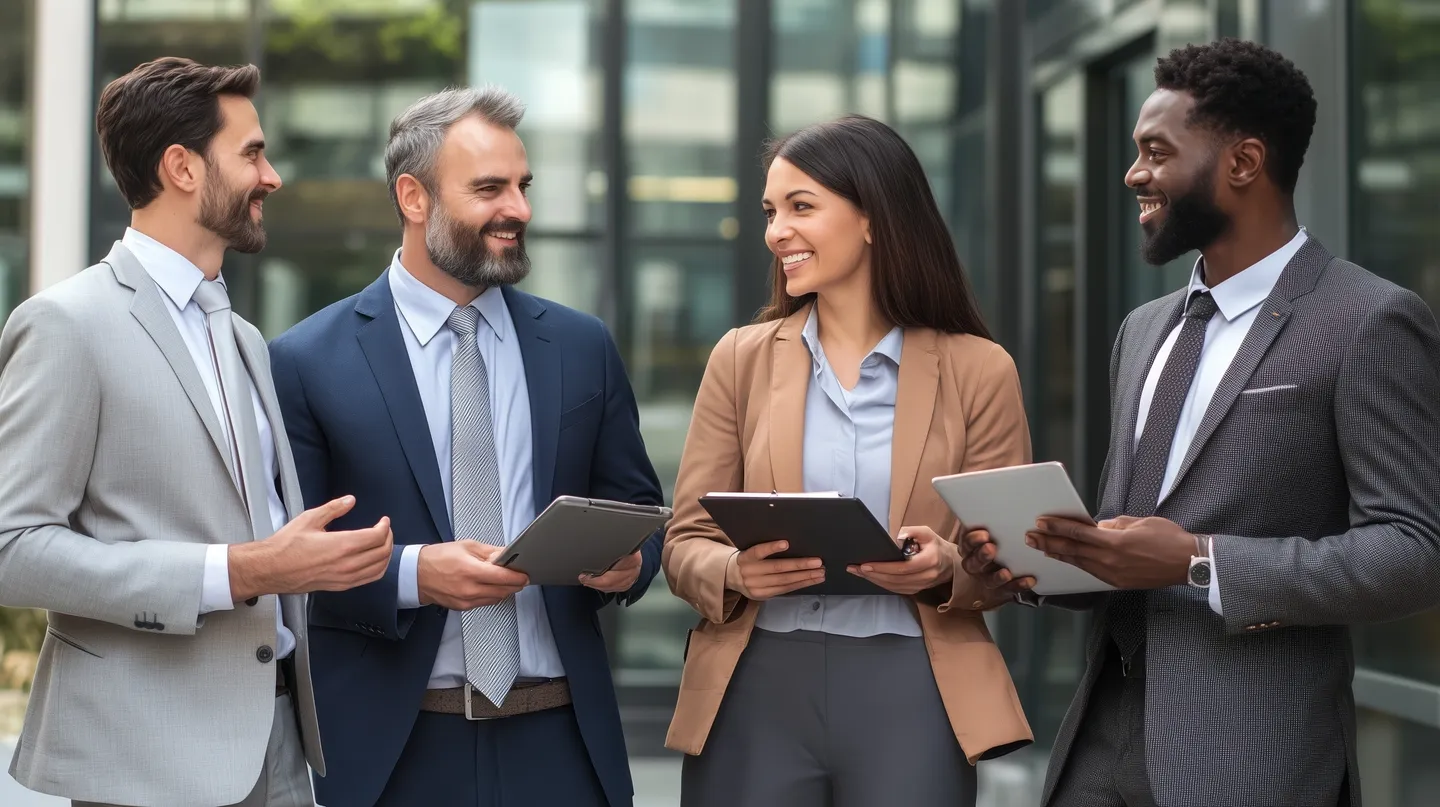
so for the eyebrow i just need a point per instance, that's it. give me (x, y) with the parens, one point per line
(480, 182)
(792, 194)
(254, 144)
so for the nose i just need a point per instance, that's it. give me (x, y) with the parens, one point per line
(778, 230)
(516, 207)
(269, 177)
(1138, 176)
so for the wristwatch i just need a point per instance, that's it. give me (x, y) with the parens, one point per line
(1201, 564)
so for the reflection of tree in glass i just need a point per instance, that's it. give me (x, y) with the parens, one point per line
(345, 36)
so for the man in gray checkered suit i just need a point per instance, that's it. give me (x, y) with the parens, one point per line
(1274, 452)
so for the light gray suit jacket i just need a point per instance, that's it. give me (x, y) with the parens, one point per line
(114, 481)
(1315, 469)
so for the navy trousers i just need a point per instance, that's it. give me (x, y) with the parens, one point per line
(519, 761)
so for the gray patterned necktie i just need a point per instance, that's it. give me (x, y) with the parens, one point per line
(491, 633)
(237, 410)
(1152, 455)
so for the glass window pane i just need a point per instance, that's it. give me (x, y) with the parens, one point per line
(15, 59)
(680, 117)
(548, 53)
(1059, 160)
(831, 57)
(1397, 761)
(1395, 129)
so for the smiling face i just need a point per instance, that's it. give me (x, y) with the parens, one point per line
(819, 237)
(238, 177)
(1174, 179)
(475, 228)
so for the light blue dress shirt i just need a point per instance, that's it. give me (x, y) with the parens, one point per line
(847, 448)
(1239, 300)
(431, 344)
(179, 279)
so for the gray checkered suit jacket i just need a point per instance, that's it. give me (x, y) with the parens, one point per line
(112, 486)
(1315, 468)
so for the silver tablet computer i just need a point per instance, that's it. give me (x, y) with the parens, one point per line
(1007, 501)
(576, 536)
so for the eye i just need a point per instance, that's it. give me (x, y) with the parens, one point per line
(803, 206)
(1156, 155)
(524, 188)
(769, 214)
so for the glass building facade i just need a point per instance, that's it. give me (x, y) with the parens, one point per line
(645, 123)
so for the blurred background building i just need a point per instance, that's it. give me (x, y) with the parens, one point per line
(646, 118)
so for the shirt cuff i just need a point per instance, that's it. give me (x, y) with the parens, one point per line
(1215, 582)
(408, 590)
(215, 586)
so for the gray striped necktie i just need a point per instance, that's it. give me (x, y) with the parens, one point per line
(491, 633)
(237, 409)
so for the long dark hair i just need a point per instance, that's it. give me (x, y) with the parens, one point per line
(916, 277)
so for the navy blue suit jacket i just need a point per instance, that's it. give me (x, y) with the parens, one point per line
(357, 425)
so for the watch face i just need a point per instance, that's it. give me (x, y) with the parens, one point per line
(1200, 574)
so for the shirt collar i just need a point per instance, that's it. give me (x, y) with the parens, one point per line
(426, 310)
(171, 271)
(890, 347)
(1250, 287)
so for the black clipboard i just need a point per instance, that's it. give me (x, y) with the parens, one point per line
(839, 530)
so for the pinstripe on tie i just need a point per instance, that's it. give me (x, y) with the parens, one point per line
(1152, 455)
(490, 633)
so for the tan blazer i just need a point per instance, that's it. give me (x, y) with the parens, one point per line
(958, 409)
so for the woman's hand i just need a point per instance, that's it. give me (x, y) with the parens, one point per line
(757, 577)
(934, 565)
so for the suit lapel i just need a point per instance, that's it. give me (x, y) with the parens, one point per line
(789, 383)
(1298, 278)
(540, 353)
(919, 382)
(1148, 337)
(148, 307)
(384, 349)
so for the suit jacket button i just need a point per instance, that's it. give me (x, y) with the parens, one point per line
(253, 601)
(265, 655)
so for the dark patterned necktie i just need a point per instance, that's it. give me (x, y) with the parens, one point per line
(1152, 455)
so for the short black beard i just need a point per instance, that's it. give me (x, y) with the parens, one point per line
(461, 252)
(1192, 222)
(226, 212)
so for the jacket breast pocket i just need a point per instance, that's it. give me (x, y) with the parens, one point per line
(589, 410)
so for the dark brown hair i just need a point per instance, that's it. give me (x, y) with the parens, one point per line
(159, 104)
(916, 276)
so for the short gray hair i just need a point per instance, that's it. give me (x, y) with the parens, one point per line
(417, 133)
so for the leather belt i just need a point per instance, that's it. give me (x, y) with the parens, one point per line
(525, 697)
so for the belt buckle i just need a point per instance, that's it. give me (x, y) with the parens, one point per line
(469, 704)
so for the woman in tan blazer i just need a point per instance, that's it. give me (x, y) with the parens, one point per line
(870, 373)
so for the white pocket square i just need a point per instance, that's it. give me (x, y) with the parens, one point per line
(1275, 388)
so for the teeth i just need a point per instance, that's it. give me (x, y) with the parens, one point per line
(506, 236)
(796, 258)
(1150, 207)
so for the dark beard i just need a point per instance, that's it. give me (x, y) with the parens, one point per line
(226, 213)
(461, 252)
(1192, 222)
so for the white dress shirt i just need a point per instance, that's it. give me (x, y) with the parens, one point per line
(178, 279)
(1239, 300)
(847, 446)
(431, 344)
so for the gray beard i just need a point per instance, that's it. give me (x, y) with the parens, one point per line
(461, 252)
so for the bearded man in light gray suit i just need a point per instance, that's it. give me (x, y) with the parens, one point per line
(148, 498)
